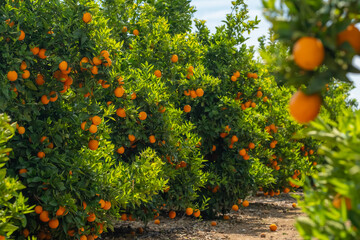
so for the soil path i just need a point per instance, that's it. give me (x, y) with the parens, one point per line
(250, 223)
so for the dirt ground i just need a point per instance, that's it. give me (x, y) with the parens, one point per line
(250, 223)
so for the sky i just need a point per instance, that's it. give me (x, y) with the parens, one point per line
(214, 11)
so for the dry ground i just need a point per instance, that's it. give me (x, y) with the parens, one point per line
(250, 223)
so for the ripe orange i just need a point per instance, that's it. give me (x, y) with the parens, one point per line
(38, 209)
(251, 145)
(124, 29)
(93, 128)
(157, 221)
(193, 94)
(226, 217)
(259, 94)
(53, 223)
(44, 99)
(26, 232)
(41, 154)
(124, 217)
(304, 108)
(60, 211)
(121, 112)
(42, 53)
(93, 144)
(107, 205)
(286, 190)
(199, 92)
(108, 62)
(86, 17)
(237, 74)
(133, 96)
(102, 203)
(136, 32)
(294, 205)
(120, 150)
(213, 223)
(63, 66)
(97, 61)
(104, 54)
(265, 99)
(245, 203)
(131, 137)
(213, 148)
(253, 105)
(26, 74)
(234, 139)
(273, 227)
(94, 70)
(308, 53)
(152, 139)
(44, 216)
(21, 130)
(23, 65)
(187, 108)
(119, 91)
(40, 80)
(35, 50)
(351, 35)
(196, 213)
(96, 120)
(91, 217)
(22, 35)
(157, 73)
(174, 58)
(242, 152)
(83, 237)
(12, 76)
(235, 207)
(23, 170)
(142, 115)
(172, 214)
(233, 78)
(189, 211)
(71, 233)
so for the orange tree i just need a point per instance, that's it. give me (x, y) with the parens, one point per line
(324, 39)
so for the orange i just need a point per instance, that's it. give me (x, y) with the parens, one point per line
(42, 53)
(41, 154)
(26, 74)
(91, 217)
(94, 70)
(351, 35)
(131, 137)
(273, 227)
(97, 61)
(272, 145)
(251, 145)
(245, 203)
(83, 237)
(38, 209)
(71, 233)
(233, 78)
(107, 205)
(213, 148)
(83, 125)
(174, 58)
(213, 223)
(12, 76)
(187, 108)
(189, 211)
(157, 73)
(259, 94)
(102, 203)
(265, 99)
(142, 115)
(26, 232)
(53, 223)
(44, 99)
(199, 92)
(86, 17)
(23, 170)
(93, 128)
(93, 144)
(21, 130)
(53, 96)
(172, 214)
(108, 62)
(121, 112)
(120, 150)
(193, 94)
(40, 80)
(63, 66)
(237, 74)
(2, 237)
(104, 54)
(196, 213)
(124, 29)
(190, 69)
(286, 190)
(96, 120)
(22, 35)
(234, 139)
(235, 207)
(253, 105)
(311, 152)
(308, 53)
(44, 216)
(43, 138)
(152, 139)
(294, 205)
(23, 65)
(136, 32)
(242, 152)
(60, 211)
(304, 108)
(35, 50)
(84, 205)
(157, 221)
(119, 91)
